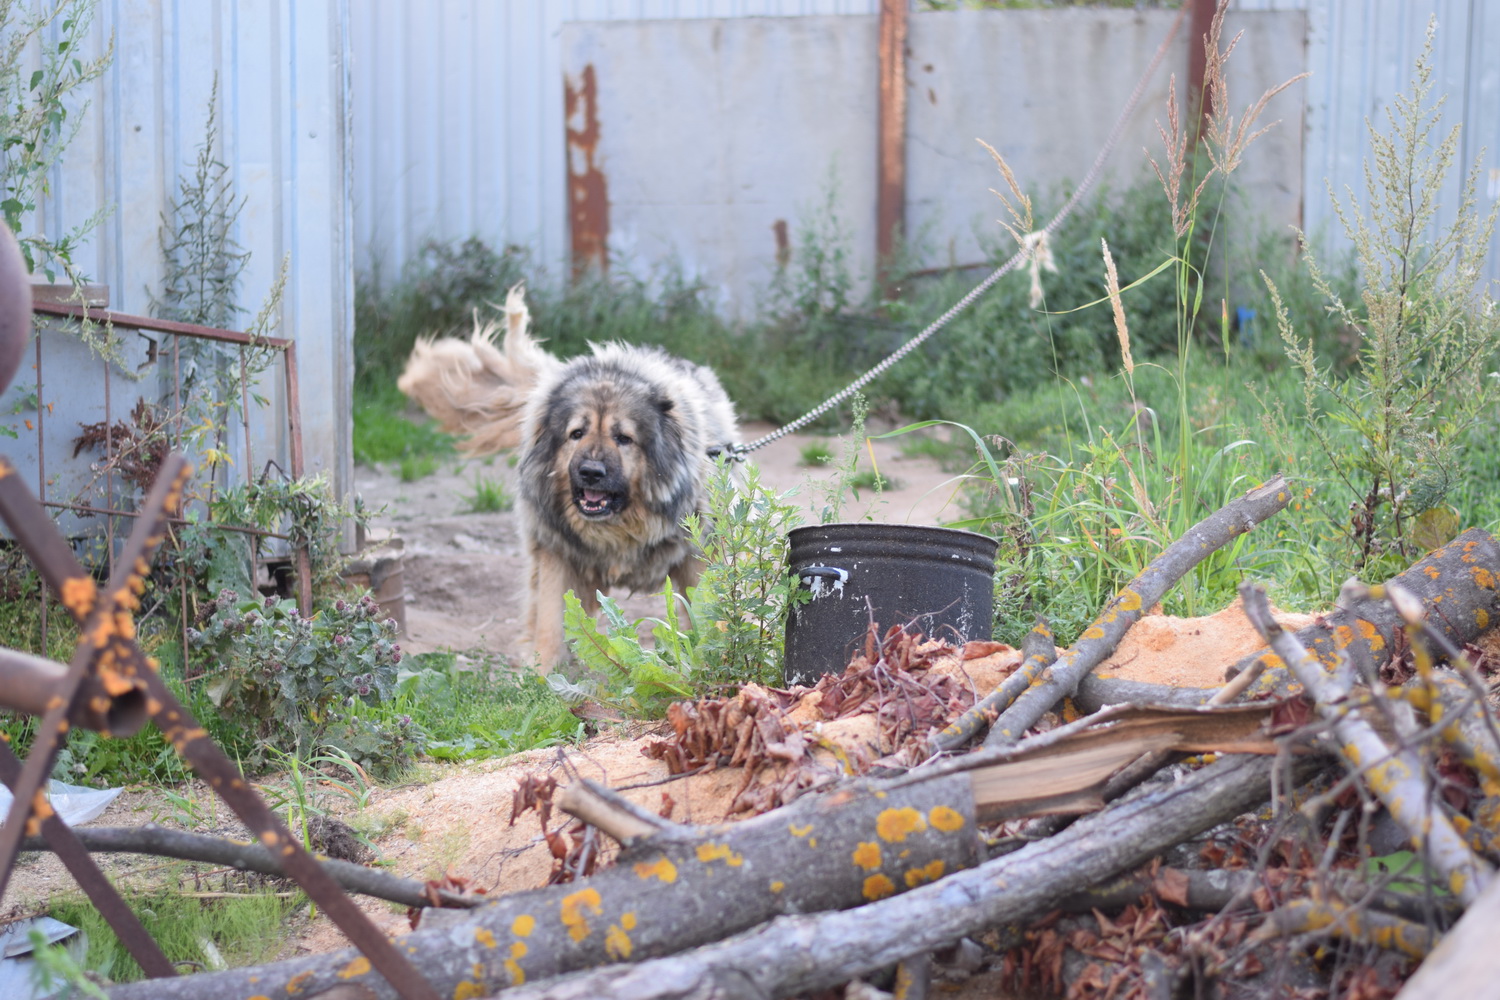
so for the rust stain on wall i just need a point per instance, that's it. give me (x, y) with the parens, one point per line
(783, 243)
(588, 189)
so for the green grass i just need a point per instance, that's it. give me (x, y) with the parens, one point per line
(481, 711)
(246, 929)
(386, 431)
(872, 481)
(489, 496)
(816, 453)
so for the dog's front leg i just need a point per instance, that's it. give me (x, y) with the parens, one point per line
(550, 580)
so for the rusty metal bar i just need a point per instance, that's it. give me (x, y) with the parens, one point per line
(294, 433)
(159, 325)
(588, 187)
(41, 475)
(890, 160)
(115, 648)
(31, 684)
(109, 472)
(1202, 16)
(97, 614)
(84, 508)
(100, 891)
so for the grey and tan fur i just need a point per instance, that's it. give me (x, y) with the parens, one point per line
(615, 453)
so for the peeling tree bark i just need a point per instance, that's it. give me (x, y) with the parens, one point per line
(1457, 587)
(1126, 608)
(850, 846)
(799, 954)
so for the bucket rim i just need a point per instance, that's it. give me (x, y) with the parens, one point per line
(889, 525)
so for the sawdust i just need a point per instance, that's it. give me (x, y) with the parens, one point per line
(1190, 652)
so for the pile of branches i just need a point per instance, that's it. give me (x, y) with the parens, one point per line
(1130, 853)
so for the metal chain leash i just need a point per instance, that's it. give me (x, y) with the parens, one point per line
(737, 452)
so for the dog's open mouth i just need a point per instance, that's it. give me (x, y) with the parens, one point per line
(596, 503)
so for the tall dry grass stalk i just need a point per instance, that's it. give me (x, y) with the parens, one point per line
(1122, 329)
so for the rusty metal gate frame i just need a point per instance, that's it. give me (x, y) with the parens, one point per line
(109, 673)
(110, 318)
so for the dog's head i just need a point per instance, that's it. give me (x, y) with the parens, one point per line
(614, 444)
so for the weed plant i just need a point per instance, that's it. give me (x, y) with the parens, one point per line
(1390, 433)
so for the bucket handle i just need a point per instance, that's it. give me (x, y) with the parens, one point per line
(823, 579)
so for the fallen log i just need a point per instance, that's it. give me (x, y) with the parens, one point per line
(855, 844)
(246, 856)
(1456, 585)
(806, 953)
(676, 887)
(1125, 608)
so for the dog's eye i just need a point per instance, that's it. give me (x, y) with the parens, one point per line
(576, 433)
(623, 440)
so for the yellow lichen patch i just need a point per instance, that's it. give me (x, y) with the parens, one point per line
(1270, 661)
(799, 831)
(778, 885)
(617, 943)
(468, 990)
(1343, 635)
(930, 872)
(867, 855)
(945, 819)
(1481, 618)
(1092, 632)
(298, 982)
(78, 593)
(513, 964)
(523, 925)
(897, 824)
(662, 868)
(485, 937)
(1483, 577)
(1371, 635)
(1129, 600)
(358, 967)
(572, 912)
(710, 852)
(1432, 572)
(877, 886)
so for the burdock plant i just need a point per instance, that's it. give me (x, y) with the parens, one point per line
(1389, 433)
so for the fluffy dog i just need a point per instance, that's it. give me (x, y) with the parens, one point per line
(615, 453)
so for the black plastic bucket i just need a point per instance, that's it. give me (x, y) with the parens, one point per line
(939, 581)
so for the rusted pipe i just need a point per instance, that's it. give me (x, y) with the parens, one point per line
(158, 325)
(30, 683)
(890, 160)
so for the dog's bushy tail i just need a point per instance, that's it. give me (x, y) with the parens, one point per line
(474, 388)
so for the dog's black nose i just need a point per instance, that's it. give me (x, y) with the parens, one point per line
(591, 472)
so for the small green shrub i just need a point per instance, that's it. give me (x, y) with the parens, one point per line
(291, 679)
(1390, 435)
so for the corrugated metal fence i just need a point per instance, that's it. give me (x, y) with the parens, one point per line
(458, 110)
(284, 117)
(459, 106)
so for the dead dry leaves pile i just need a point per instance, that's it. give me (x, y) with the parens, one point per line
(878, 712)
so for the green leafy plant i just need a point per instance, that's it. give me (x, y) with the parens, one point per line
(57, 974)
(36, 122)
(1391, 434)
(292, 678)
(729, 630)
